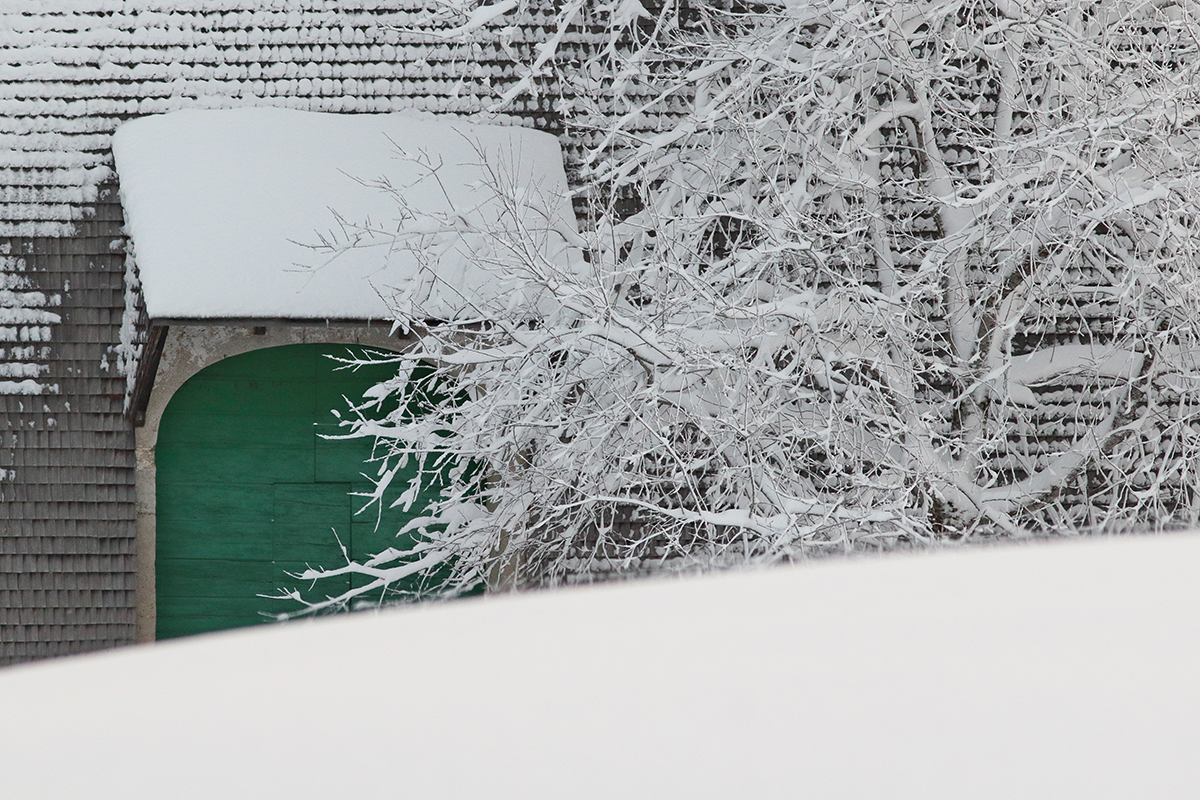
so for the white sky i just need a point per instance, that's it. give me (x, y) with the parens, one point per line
(1064, 670)
(221, 203)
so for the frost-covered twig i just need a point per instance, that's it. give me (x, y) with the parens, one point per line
(902, 272)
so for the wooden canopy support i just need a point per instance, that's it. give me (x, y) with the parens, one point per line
(147, 369)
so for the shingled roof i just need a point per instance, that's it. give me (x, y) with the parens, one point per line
(70, 72)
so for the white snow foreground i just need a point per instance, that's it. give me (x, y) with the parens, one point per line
(275, 213)
(1063, 670)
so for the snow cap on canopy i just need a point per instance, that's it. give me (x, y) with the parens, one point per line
(229, 211)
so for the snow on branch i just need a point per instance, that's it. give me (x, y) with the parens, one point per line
(859, 275)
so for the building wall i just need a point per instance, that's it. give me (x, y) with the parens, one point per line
(66, 465)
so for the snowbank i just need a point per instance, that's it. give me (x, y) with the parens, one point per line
(225, 207)
(1065, 670)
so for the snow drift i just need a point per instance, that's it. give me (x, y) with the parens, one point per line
(1035, 671)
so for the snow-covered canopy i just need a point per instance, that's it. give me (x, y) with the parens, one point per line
(1065, 670)
(225, 208)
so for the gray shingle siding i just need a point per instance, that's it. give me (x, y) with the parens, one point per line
(66, 503)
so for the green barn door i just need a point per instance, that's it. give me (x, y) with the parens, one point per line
(248, 490)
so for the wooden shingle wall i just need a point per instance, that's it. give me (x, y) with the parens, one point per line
(66, 503)
(70, 72)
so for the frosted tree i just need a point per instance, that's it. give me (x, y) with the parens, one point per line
(858, 275)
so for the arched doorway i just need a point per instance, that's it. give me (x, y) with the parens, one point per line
(247, 488)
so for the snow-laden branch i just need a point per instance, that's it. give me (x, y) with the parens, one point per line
(897, 272)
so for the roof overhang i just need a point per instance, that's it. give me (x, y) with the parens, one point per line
(249, 213)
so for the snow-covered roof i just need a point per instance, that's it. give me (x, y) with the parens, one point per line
(72, 70)
(229, 211)
(1064, 670)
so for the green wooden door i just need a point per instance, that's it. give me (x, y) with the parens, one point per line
(247, 489)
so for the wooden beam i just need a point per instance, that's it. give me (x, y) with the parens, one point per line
(147, 370)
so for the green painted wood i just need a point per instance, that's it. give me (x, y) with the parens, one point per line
(248, 488)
